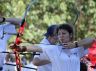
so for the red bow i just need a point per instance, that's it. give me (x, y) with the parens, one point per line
(20, 33)
(17, 42)
(92, 53)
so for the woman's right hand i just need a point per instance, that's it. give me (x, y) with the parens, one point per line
(69, 45)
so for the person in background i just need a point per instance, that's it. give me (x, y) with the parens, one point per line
(49, 39)
(7, 28)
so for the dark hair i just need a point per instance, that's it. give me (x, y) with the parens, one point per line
(50, 30)
(66, 27)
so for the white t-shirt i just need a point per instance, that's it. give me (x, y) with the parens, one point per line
(47, 67)
(5, 28)
(63, 59)
(9, 67)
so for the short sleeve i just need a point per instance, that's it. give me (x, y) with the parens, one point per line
(85, 51)
(48, 52)
(43, 55)
(82, 52)
(9, 30)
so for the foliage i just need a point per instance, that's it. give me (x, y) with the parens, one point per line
(47, 12)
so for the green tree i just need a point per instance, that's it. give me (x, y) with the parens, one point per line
(47, 12)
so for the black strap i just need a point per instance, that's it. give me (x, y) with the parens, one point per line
(21, 66)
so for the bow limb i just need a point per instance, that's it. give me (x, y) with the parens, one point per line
(19, 34)
(18, 39)
(17, 42)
